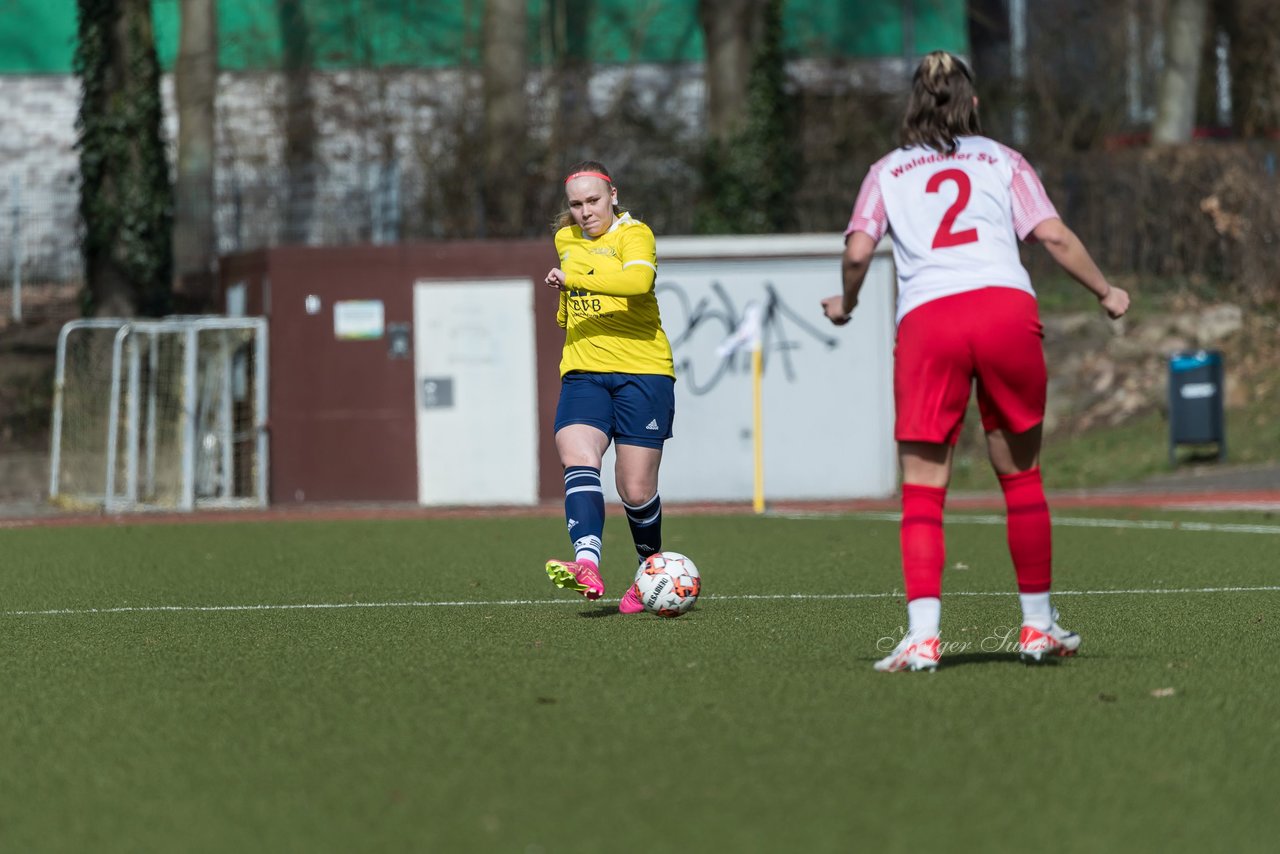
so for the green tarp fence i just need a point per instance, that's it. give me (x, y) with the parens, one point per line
(37, 36)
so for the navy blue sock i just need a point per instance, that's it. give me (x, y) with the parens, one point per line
(646, 526)
(584, 511)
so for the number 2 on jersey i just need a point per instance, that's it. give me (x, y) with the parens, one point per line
(945, 237)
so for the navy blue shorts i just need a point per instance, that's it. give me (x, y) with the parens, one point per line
(631, 409)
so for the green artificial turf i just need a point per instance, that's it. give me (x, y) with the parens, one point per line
(532, 720)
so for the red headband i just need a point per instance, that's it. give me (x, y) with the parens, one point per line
(599, 175)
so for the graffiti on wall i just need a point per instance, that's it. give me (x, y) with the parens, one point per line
(713, 317)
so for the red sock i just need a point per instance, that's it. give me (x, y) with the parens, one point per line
(1030, 540)
(923, 548)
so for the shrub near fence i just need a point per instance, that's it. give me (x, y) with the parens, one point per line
(1202, 211)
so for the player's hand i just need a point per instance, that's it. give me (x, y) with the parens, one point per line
(555, 278)
(833, 308)
(1116, 302)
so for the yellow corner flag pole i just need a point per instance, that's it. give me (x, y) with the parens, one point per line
(750, 333)
(757, 387)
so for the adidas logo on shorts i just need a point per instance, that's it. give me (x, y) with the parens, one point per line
(652, 425)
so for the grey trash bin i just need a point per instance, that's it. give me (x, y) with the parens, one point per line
(1195, 402)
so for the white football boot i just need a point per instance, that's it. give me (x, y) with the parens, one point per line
(912, 654)
(1055, 642)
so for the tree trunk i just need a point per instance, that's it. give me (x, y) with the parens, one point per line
(749, 174)
(571, 72)
(1179, 82)
(1253, 27)
(126, 199)
(504, 64)
(300, 165)
(195, 89)
(731, 31)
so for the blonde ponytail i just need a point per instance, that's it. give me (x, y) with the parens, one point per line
(942, 105)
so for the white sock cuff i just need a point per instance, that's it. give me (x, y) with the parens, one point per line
(1036, 610)
(924, 617)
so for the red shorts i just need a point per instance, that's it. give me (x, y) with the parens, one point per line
(990, 336)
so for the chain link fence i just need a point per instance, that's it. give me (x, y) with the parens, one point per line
(40, 266)
(1204, 211)
(395, 157)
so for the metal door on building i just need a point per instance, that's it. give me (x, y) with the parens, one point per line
(475, 381)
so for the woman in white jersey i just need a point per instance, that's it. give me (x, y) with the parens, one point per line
(955, 205)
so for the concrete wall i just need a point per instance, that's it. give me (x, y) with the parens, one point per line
(827, 392)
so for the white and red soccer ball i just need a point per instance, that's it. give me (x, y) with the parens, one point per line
(668, 584)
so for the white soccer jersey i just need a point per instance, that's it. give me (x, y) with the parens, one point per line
(955, 219)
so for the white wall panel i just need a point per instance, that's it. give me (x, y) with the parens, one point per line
(827, 391)
(476, 392)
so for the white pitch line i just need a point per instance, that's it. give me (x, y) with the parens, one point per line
(495, 603)
(302, 606)
(1064, 522)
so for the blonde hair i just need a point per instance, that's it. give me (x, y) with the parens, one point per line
(565, 218)
(942, 105)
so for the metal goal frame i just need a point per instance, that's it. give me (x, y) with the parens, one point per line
(206, 404)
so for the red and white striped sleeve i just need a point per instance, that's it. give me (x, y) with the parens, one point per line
(1031, 205)
(868, 211)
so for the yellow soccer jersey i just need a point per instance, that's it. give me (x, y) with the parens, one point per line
(608, 308)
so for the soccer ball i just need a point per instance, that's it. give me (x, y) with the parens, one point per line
(668, 583)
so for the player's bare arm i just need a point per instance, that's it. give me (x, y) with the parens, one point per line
(1062, 243)
(856, 261)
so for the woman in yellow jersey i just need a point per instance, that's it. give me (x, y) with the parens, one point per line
(617, 378)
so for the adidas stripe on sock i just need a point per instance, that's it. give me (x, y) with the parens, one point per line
(584, 511)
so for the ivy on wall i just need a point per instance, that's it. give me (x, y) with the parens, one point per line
(126, 197)
(750, 179)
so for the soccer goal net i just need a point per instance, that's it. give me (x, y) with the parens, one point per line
(160, 414)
